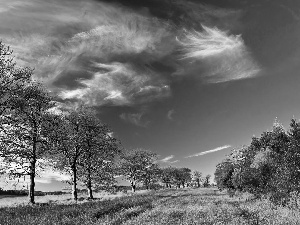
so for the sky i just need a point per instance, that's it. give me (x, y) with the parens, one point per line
(187, 79)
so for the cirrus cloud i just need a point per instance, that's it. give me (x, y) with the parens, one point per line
(218, 56)
(95, 52)
(210, 151)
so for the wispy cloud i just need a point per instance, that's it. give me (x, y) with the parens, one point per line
(209, 151)
(167, 159)
(170, 114)
(119, 84)
(209, 42)
(95, 52)
(6, 6)
(222, 57)
(135, 118)
(102, 53)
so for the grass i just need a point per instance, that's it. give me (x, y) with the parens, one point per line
(66, 199)
(183, 206)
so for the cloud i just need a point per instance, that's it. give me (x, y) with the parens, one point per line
(170, 114)
(89, 51)
(135, 118)
(218, 56)
(209, 42)
(167, 159)
(13, 4)
(103, 53)
(119, 84)
(209, 151)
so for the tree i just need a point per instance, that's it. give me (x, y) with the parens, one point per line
(67, 135)
(12, 79)
(269, 165)
(134, 165)
(197, 176)
(180, 176)
(184, 176)
(24, 140)
(150, 176)
(96, 164)
(223, 174)
(206, 180)
(166, 176)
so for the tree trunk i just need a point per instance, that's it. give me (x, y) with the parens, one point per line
(167, 185)
(148, 185)
(74, 185)
(32, 183)
(133, 186)
(198, 183)
(89, 185)
(90, 191)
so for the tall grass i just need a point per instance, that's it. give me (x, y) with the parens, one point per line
(185, 206)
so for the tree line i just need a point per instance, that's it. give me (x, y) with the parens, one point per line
(34, 135)
(269, 166)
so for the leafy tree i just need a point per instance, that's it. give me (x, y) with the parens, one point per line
(180, 176)
(12, 79)
(151, 175)
(96, 164)
(68, 143)
(206, 180)
(269, 165)
(134, 165)
(166, 176)
(196, 177)
(24, 141)
(185, 176)
(223, 174)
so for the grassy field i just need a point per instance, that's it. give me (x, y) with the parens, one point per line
(184, 206)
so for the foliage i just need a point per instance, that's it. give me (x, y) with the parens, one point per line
(100, 149)
(23, 113)
(12, 79)
(207, 180)
(138, 166)
(196, 177)
(176, 176)
(269, 166)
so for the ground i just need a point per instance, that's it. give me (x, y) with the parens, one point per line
(171, 206)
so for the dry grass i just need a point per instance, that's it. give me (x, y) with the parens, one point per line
(14, 201)
(184, 206)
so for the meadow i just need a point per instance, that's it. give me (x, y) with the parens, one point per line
(169, 206)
